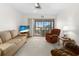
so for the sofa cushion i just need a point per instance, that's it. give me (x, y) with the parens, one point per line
(21, 37)
(8, 49)
(14, 33)
(16, 41)
(5, 36)
(0, 41)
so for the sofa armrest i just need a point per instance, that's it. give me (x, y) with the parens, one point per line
(0, 52)
(8, 49)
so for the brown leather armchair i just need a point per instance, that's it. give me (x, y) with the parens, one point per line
(70, 49)
(53, 36)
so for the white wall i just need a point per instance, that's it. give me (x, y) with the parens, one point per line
(70, 19)
(24, 21)
(8, 18)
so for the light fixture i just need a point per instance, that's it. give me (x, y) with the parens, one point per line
(37, 5)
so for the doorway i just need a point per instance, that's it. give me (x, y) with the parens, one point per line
(42, 26)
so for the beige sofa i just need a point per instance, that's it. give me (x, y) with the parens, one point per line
(10, 42)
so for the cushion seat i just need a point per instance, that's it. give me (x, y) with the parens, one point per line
(11, 42)
(16, 41)
(8, 48)
(21, 36)
(53, 35)
(5, 36)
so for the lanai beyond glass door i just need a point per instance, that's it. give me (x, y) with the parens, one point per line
(42, 26)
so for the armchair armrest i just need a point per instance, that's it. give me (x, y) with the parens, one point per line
(54, 35)
(48, 33)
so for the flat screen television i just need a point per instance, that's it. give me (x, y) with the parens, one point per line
(23, 28)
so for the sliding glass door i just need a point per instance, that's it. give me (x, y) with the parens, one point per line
(42, 26)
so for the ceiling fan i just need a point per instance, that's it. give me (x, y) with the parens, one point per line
(37, 5)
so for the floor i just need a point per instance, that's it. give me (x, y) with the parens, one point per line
(37, 46)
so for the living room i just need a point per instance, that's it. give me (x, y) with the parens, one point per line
(26, 29)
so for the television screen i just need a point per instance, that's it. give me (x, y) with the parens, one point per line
(22, 28)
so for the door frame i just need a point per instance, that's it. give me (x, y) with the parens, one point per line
(33, 21)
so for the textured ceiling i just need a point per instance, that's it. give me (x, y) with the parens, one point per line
(47, 9)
